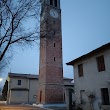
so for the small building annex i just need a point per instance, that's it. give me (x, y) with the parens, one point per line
(92, 79)
(22, 88)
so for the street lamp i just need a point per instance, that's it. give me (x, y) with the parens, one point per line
(1, 79)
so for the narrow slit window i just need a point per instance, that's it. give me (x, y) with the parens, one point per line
(54, 58)
(40, 96)
(54, 44)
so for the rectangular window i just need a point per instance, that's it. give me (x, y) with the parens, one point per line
(19, 82)
(100, 63)
(40, 96)
(80, 70)
(55, 3)
(54, 44)
(105, 96)
(51, 2)
(54, 58)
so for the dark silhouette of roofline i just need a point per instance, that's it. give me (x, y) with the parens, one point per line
(30, 76)
(90, 54)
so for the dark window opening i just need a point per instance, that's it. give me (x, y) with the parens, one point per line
(64, 97)
(54, 44)
(40, 96)
(54, 58)
(105, 96)
(55, 3)
(80, 70)
(19, 82)
(54, 32)
(51, 2)
(100, 63)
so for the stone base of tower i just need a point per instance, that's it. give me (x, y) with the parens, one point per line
(50, 94)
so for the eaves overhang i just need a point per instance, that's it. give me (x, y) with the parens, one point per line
(90, 54)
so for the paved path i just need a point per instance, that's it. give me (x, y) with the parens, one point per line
(57, 108)
(19, 107)
(27, 107)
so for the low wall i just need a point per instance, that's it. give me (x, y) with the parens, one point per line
(2, 102)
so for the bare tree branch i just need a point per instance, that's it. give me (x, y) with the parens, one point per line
(13, 16)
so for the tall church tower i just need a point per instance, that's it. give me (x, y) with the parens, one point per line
(51, 66)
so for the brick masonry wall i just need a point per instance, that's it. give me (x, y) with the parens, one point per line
(50, 93)
(51, 66)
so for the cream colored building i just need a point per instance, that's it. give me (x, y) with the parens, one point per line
(92, 79)
(22, 88)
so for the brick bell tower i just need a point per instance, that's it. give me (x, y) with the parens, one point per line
(50, 89)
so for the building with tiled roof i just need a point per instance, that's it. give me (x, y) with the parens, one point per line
(92, 79)
(22, 88)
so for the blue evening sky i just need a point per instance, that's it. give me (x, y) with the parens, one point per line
(85, 27)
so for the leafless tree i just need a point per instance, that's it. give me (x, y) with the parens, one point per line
(14, 17)
(17, 18)
(3, 64)
(91, 97)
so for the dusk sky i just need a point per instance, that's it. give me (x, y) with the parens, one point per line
(85, 27)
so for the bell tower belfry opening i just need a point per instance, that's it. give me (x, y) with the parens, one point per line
(50, 89)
